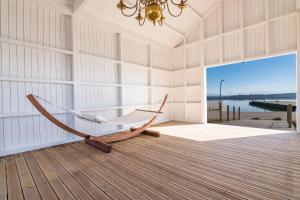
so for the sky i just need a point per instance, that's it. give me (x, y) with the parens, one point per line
(264, 76)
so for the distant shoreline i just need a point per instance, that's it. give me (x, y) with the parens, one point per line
(255, 97)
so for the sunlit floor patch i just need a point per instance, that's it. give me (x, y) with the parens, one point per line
(207, 132)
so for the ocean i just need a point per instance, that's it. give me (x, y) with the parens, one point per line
(243, 104)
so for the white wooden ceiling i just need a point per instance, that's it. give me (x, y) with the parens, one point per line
(170, 34)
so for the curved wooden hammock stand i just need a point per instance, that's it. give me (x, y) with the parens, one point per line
(100, 142)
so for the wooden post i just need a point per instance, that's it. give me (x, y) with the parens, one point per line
(233, 112)
(239, 113)
(220, 110)
(289, 115)
(227, 112)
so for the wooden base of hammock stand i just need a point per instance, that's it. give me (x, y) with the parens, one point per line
(148, 132)
(101, 142)
(99, 145)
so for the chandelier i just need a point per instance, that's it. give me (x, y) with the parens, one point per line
(153, 10)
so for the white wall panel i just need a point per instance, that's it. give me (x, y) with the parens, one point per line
(26, 69)
(178, 111)
(193, 56)
(161, 59)
(135, 52)
(232, 47)
(178, 58)
(178, 94)
(95, 40)
(193, 112)
(211, 23)
(194, 76)
(159, 93)
(212, 51)
(253, 11)
(99, 96)
(283, 35)
(194, 94)
(96, 69)
(178, 78)
(254, 42)
(25, 21)
(281, 7)
(135, 96)
(23, 62)
(135, 75)
(231, 15)
(161, 78)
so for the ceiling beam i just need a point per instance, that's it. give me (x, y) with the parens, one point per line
(170, 27)
(79, 5)
(194, 11)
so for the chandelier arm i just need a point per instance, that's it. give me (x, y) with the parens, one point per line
(130, 15)
(132, 7)
(177, 3)
(143, 22)
(171, 12)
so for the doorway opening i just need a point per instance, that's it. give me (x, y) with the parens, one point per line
(259, 93)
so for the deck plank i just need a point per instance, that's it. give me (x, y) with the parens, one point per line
(42, 184)
(73, 186)
(13, 181)
(117, 183)
(85, 183)
(160, 186)
(3, 184)
(98, 180)
(28, 186)
(56, 183)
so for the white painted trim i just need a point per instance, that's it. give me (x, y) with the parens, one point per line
(33, 45)
(19, 114)
(298, 74)
(30, 80)
(116, 61)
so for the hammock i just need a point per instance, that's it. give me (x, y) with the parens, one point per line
(102, 142)
(134, 117)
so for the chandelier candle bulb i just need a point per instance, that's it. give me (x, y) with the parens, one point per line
(153, 10)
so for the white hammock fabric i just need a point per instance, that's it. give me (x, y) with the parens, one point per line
(134, 117)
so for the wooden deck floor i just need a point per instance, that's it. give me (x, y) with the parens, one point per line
(253, 167)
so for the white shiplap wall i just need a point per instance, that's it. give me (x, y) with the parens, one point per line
(246, 30)
(35, 58)
(75, 64)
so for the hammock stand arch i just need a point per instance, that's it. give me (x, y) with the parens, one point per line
(101, 142)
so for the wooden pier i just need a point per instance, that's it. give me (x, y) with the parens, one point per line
(272, 105)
